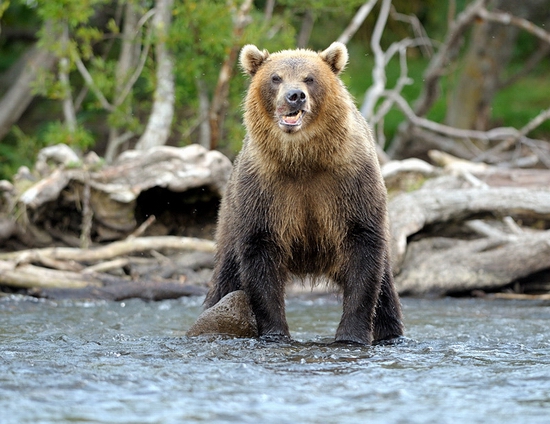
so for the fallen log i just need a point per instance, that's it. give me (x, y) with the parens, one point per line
(110, 251)
(412, 212)
(521, 296)
(444, 265)
(63, 274)
(146, 290)
(86, 200)
(30, 276)
(56, 284)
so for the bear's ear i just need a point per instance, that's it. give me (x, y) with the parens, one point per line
(336, 56)
(251, 58)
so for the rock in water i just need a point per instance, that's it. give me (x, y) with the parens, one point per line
(231, 316)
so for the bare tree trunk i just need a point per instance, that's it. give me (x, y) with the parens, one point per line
(305, 29)
(158, 128)
(126, 63)
(69, 112)
(18, 97)
(219, 101)
(204, 106)
(488, 56)
(268, 11)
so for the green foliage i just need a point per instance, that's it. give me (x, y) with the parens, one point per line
(200, 38)
(517, 104)
(23, 148)
(3, 6)
(57, 132)
(197, 46)
(14, 155)
(71, 12)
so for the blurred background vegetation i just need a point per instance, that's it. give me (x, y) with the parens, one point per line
(96, 34)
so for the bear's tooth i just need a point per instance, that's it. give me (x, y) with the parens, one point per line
(292, 119)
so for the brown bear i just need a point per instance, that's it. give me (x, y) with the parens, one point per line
(306, 197)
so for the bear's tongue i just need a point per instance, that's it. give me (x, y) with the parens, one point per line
(292, 118)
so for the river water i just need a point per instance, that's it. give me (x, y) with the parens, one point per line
(463, 361)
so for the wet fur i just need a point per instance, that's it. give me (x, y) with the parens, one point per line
(310, 202)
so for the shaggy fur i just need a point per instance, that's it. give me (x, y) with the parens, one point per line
(306, 197)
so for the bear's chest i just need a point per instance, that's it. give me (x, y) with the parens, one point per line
(308, 218)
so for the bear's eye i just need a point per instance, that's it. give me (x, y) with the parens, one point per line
(276, 79)
(309, 80)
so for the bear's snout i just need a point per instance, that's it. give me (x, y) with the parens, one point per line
(293, 104)
(295, 98)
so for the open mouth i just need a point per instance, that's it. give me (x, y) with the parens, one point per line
(292, 119)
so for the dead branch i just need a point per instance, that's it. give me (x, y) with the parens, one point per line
(29, 276)
(106, 266)
(110, 251)
(381, 60)
(357, 21)
(520, 136)
(509, 19)
(490, 135)
(535, 122)
(418, 30)
(521, 296)
(530, 64)
(143, 227)
(415, 115)
(378, 72)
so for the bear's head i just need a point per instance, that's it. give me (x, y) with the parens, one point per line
(289, 90)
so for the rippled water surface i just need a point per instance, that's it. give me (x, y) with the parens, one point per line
(464, 361)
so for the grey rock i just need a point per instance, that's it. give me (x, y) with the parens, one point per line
(231, 316)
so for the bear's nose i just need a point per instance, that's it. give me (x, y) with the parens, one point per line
(295, 97)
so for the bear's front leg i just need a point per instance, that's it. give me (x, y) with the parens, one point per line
(263, 279)
(361, 279)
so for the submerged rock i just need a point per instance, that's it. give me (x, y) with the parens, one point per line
(231, 316)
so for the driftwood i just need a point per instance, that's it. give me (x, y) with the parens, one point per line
(78, 203)
(438, 265)
(66, 272)
(411, 212)
(475, 227)
(110, 251)
(459, 227)
(94, 203)
(147, 290)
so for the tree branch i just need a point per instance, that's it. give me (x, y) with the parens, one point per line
(90, 83)
(143, 58)
(418, 30)
(509, 19)
(493, 134)
(378, 73)
(357, 21)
